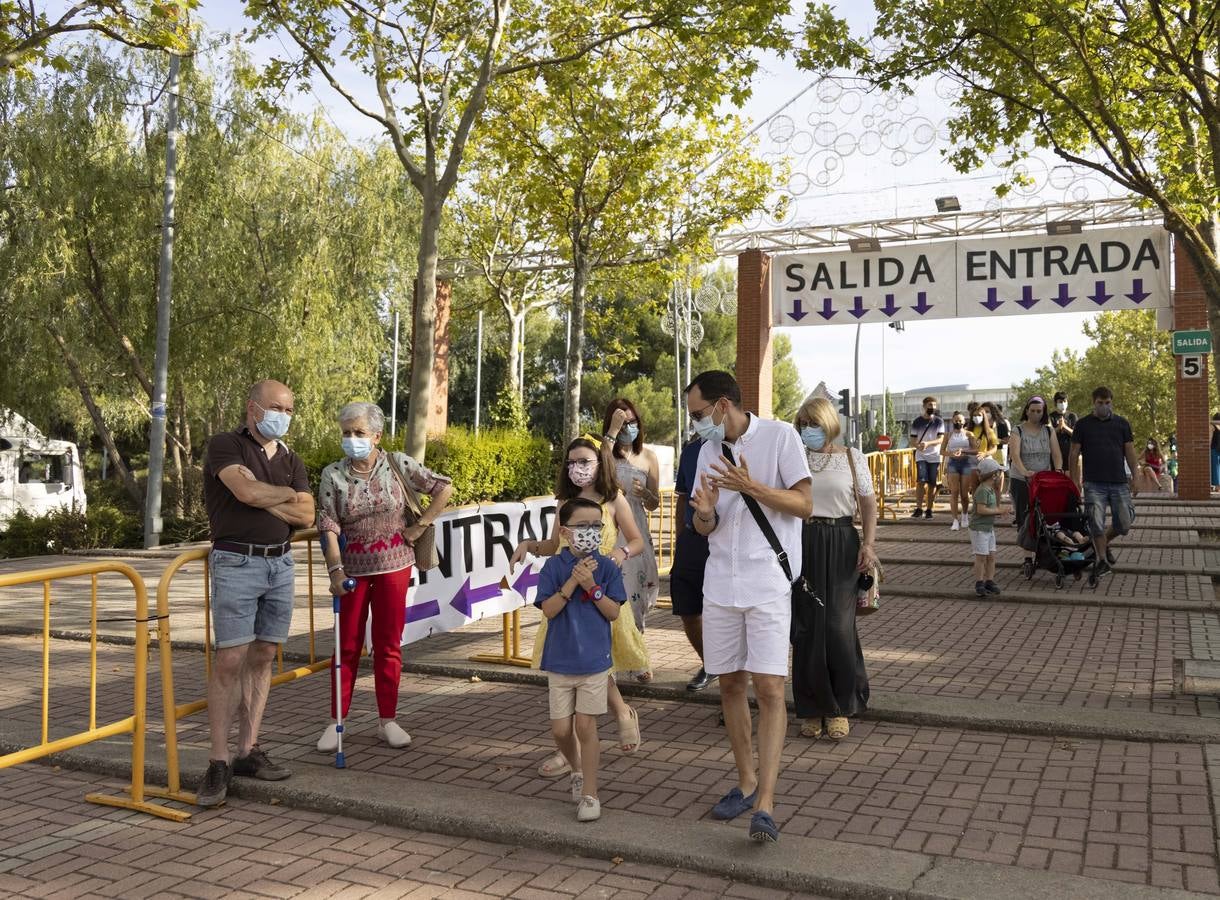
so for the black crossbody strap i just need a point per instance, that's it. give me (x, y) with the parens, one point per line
(763, 522)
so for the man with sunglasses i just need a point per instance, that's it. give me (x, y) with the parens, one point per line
(747, 587)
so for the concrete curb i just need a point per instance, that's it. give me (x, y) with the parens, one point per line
(1120, 569)
(831, 868)
(892, 591)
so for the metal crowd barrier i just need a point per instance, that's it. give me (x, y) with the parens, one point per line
(894, 474)
(135, 724)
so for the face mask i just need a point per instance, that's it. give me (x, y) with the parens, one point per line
(585, 538)
(357, 448)
(274, 424)
(582, 472)
(957, 426)
(929, 410)
(977, 420)
(814, 437)
(709, 430)
(1103, 410)
(1061, 406)
(629, 433)
(1152, 446)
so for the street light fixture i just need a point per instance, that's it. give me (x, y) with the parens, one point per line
(948, 204)
(1064, 226)
(864, 245)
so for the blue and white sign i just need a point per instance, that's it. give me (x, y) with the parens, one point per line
(1103, 269)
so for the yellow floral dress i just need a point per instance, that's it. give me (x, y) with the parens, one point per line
(627, 650)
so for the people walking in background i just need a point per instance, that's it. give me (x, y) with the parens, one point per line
(982, 526)
(639, 475)
(363, 496)
(926, 434)
(960, 450)
(690, 561)
(1032, 449)
(1103, 442)
(829, 680)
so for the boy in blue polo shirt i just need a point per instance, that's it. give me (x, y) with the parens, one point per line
(579, 591)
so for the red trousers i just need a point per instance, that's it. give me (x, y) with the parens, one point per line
(386, 595)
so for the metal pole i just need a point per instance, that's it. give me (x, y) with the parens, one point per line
(478, 374)
(689, 327)
(673, 303)
(394, 383)
(856, 416)
(156, 438)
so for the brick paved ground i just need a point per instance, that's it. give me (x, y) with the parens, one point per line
(1132, 811)
(52, 844)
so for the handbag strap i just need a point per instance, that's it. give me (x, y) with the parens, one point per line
(763, 522)
(412, 499)
(855, 485)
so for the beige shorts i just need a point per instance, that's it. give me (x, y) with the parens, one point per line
(577, 693)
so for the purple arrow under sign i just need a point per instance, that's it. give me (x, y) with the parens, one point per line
(1138, 294)
(526, 580)
(921, 303)
(1027, 297)
(419, 611)
(827, 313)
(858, 309)
(467, 597)
(1099, 295)
(890, 307)
(992, 303)
(797, 313)
(1062, 299)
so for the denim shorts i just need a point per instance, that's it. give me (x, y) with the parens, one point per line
(962, 465)
(251, 598)
(1117, 497)
(927, 471)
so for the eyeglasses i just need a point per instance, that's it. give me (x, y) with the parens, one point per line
(591, 528)
(580, 462)
(697, 415)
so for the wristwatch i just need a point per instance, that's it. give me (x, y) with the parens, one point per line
(595, 593)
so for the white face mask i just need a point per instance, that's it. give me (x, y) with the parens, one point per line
(1061, 406)
(977, 420)
(709, 430)
(585, 538)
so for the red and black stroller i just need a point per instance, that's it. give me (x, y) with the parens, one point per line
(1056, 513)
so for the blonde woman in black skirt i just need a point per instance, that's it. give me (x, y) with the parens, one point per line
(829, 682)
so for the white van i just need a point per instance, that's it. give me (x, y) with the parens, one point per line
(37, 474)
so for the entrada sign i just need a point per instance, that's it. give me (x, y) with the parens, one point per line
(1109, 268)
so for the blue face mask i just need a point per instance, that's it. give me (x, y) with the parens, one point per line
(357, 448)
(814, 437)
(274, 424)
(629, 433)
(709, 430)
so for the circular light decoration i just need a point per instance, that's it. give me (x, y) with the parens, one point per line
(829, 90)
(845, 144)
(869, 143)
(798, 184)
(802, 143)
(781, 129)
(947, 88)
(825, 133)
(850, 103)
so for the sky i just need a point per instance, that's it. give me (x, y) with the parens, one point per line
(855, 186)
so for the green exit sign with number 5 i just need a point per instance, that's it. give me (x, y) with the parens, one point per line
(1192, 342)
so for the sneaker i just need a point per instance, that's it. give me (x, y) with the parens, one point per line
(589, 810)
(917, 513)
(700, 681)
(1102, 568)
(991, 587)
(214, 787)
(957, 524)
(256, 764)
(980, 589)
(763, 828)
(965, 520)
(927, 514)
(1110, 557)
(329, 741)
(393, 734)
(578, 786)
(733, 804)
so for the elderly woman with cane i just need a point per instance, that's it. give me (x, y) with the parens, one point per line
(364, 497)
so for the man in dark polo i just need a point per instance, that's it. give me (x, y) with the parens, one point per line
(256, 492)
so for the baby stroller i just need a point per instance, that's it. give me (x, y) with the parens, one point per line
(1056, 511)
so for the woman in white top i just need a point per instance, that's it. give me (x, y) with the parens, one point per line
(829, 682)
(960, 451)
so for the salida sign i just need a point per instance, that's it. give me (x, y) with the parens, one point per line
(1109, 268)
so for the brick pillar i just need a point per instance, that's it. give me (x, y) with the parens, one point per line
(438, 412)
(1193, 430)
(754, 331)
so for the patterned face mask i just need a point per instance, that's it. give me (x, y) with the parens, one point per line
(586, 538)
(582, 471)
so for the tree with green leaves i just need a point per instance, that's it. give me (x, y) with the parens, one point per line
(1129, 89)
(424, 74)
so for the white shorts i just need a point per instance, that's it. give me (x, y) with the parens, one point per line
(585, 694)
(747, 640)
(983, 542)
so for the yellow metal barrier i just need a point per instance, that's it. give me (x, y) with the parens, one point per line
(135, 724)
(175, 711)
(511, 654)
(893, 473)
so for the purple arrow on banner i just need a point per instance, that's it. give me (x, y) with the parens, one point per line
(992, 302)
(890, 307)
(858, 309)
(467, 597)
(418, 611)
(526, 580)
(1027, 296)
(1099, 295)
(797, 313)
(921, 303)
(1062, 298)
(1138, 294)
(827, 313)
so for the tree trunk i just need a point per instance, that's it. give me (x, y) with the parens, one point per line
(576, 346)
(99, 423)
(423, 340)
(173, 446)
(516, 348)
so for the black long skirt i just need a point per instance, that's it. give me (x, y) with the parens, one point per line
(828, 676)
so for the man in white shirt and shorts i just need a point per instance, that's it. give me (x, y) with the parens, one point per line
(747, 598)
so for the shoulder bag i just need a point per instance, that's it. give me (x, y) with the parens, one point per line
(425, 545)
(868, 595)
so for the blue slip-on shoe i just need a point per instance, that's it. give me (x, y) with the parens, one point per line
(763, 828)
(733, 804)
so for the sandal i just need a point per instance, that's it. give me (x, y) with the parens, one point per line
(811, 728)
(554, 766)
(644, 677)
(837, 728)
(629, 731)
